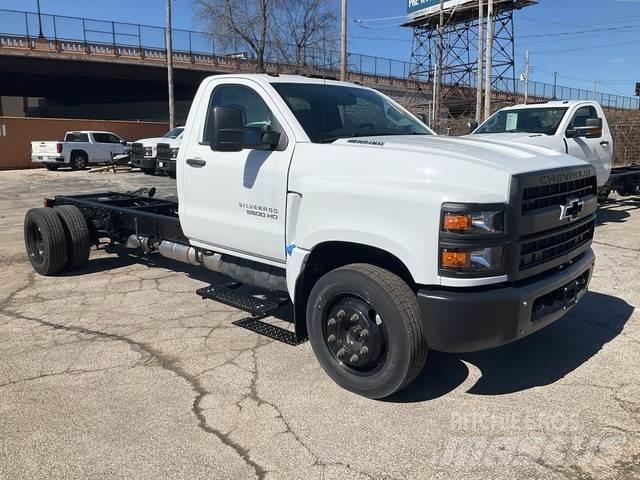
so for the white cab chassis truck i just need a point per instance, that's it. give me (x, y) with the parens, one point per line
(388, 240)
(78, 149)
(577, 128)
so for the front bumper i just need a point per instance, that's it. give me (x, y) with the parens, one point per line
(146, 163)
(166, 167)
(460, 320)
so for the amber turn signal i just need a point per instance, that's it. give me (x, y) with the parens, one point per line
(456, 259)
(456, 222)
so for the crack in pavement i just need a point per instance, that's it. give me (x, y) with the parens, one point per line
(616, 246)
(166, 363)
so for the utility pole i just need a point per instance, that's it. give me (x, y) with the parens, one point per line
(595, 88)
(555, 85)
(169, 42)
(437, 87)
(40, 35)
(480, 61)
(527, 69)
(489, 62)
(343, 52)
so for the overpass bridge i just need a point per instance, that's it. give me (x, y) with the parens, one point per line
(86, 68)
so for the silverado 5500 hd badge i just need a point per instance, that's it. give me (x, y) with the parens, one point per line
(259, 210)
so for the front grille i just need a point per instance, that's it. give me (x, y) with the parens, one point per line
(534, 198)
(163, 151)
(554, 245)
(137, 150)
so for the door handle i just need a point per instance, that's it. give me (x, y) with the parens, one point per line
(604, 143)
(196, 162)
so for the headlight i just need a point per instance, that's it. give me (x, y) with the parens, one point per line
(148, 151)
(174, 152)
(472, 260)
(473, 223)
(472, 240)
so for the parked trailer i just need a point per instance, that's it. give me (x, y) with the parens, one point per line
(625, 181)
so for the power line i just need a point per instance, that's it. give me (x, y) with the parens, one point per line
(557, 34)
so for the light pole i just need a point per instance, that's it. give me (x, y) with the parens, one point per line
(169, 41)
(40, 35)
(343, 36)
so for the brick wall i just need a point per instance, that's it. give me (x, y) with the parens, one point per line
(16, 135)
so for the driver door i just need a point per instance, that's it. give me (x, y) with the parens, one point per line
(596, 151)
(236, 201)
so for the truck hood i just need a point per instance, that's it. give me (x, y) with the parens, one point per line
(152, 142)
(509, 157)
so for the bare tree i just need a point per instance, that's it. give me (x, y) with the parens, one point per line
(247, 20)
(304, 24)
(291, 26)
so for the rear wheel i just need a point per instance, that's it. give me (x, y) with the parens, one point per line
(51, 166)
(78, 237)
(78, 161)
(45, 241)
(148, 171)
(365, 329)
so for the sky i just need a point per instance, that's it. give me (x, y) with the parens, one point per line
(582, 40)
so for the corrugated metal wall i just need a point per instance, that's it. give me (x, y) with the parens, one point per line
(16, 134)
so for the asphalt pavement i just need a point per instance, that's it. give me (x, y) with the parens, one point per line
(122, 371)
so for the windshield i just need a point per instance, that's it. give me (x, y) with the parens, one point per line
(330, 112)
(175, 133)
(526, 120)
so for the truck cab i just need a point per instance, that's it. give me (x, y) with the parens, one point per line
(577, 128)
(388, 240)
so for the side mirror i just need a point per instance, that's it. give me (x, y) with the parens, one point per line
(472, 126)
(592, 129)
(228, 135)
(269, 137)
(123, 142)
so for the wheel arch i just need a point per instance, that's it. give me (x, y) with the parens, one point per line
(330, 255)
(79, 151)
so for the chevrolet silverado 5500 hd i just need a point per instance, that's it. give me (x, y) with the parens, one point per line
(389, 240)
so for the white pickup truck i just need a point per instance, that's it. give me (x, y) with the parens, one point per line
(388, 240)
(144, 152)
(78, 149)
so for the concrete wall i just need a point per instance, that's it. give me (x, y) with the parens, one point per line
(17, 133)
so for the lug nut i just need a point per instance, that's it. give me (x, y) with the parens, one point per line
(354, 359)
(364, 351)
(331, 338)
(341, 313)
(354, 318)
(364, 333)
(331, 322)
(341, 353)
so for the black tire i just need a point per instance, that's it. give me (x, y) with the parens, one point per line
(398, 342)
(51, 166)
(78, 160)
(148, 171)
(45, 241)
(77, 235)
(603, 194)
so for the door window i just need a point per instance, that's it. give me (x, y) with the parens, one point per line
(255, 112)
(101, 137)
(582, 115)
(114, 139)
(77, 137)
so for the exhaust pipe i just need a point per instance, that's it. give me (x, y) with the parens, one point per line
(243, 271)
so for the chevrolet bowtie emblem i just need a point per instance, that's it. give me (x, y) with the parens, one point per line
(571, 210)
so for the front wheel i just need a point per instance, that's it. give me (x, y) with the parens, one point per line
(365, 330)
(51, 166)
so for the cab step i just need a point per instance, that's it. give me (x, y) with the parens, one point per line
(259, 309)
(227, 295)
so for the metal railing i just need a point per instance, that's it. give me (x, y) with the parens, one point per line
(129, 39)
(76, 34)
